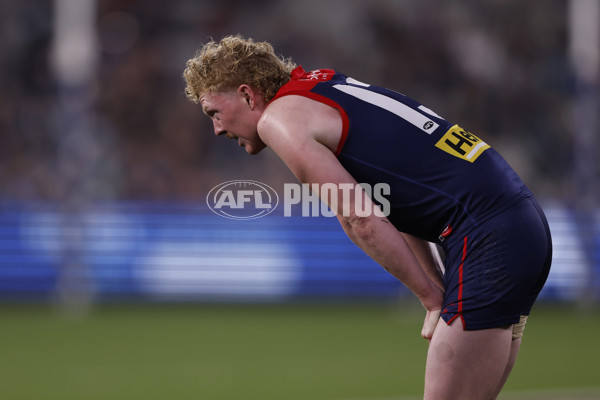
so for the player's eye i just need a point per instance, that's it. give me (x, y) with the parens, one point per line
(210, 112)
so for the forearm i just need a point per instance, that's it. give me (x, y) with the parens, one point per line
(385, 244)
(429, 258)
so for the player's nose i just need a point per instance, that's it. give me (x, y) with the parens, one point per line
(218, 128)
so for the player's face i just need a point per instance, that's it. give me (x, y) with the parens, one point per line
(235, 116)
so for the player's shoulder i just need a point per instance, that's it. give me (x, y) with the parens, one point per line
(300, 118)
(296, 110)
(280, 114)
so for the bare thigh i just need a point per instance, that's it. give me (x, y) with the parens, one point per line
(466, 365)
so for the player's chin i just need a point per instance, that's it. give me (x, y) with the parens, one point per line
(254, 149)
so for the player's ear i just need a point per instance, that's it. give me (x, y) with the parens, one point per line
(247, 94)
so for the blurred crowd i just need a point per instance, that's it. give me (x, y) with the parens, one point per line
(498, 68)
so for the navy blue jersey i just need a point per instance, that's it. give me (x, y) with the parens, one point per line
(443, 179)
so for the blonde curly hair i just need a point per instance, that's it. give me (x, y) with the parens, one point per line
(234, 61)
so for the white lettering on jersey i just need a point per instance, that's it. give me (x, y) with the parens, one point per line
(394, 106)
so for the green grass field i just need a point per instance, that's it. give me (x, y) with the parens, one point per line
(307, 352)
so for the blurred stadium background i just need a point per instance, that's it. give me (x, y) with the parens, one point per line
(117, 281)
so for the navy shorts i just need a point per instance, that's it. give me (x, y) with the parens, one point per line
(495, 273)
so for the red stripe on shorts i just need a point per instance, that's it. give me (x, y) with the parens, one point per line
(460, 282)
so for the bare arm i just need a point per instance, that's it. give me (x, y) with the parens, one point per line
(290, 127)
(428, 257)
(387, 246)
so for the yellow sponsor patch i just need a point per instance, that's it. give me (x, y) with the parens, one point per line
(462, 144)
